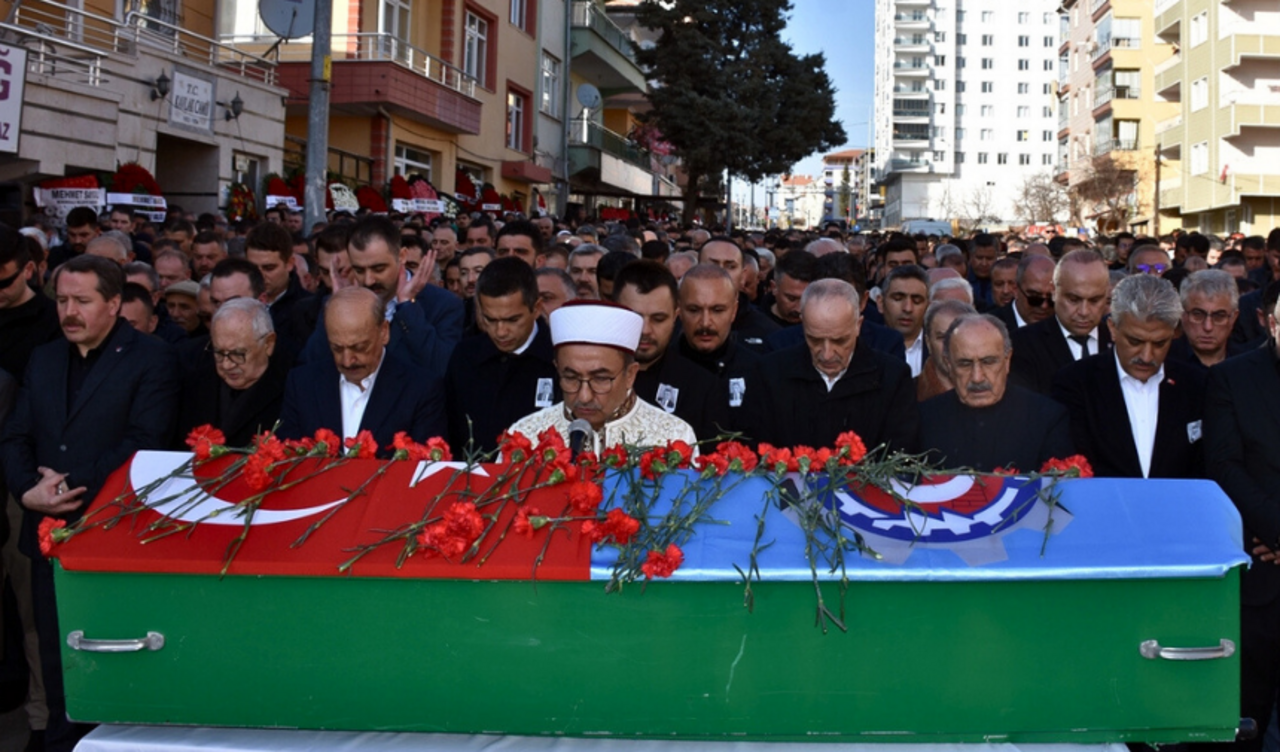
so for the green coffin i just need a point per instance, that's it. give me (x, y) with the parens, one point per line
(1030, 648)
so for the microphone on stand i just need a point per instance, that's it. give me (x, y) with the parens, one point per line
(578, 430)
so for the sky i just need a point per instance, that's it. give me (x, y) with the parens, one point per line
(844, 30)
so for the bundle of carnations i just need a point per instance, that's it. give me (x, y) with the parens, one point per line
(646, 504)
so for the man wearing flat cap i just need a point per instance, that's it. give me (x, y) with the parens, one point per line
(595, 357)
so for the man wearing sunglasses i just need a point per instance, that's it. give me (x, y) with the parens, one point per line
(1081, 284)
(1149, 259)
(1032, 296)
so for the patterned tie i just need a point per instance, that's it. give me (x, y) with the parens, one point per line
(1083, 341)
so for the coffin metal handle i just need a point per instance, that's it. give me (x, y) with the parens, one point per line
(77, 641)
(1151, 649)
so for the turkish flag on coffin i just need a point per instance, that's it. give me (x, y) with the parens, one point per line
(406, 493)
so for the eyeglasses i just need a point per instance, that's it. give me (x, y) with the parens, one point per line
(9, 280)
(598, 384)
(1152, 268)
(1037, 300)
(1198, 316)
(235, 357)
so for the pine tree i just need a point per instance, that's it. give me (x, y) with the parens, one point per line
(728, 94)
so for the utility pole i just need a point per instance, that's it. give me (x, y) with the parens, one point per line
(1155, 199)
(318, 116)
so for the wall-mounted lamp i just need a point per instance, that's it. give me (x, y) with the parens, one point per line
(162, 86)
(234, 108)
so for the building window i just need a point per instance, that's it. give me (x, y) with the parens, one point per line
(959, 157)
(1050, 42)
(1024, 135)
(982, 157)
(1024, 112)
(939, 156)
(960, 108)
(988, 87)
(959, 62)
(988, 40)
(1046, 136)
(959, 134)
(550, 85)
(988, 16)
(166, 12)
(1024, 18)
(988, 63)
(986, 134)
(1002, 158)
(940, 84)
(520, 14)
(959, 87)
(1024, 64)
(1046, 159)
(1048, 65)
(962, 39)
(1047, 111)
(987, 110)
(940, 60)
(1199, 94)
(1024, 159)
(410, 161)
(1024, 88)
(475, 48)
(517, 122)
(1199, 28)
(1200, 158)
(939, 36)
(1047, 89)
(940, 107)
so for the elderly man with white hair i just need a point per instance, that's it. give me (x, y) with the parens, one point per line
(243, 391)
(1134, 413)
(1210, 307)
(833, 382)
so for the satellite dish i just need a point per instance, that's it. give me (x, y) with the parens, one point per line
(288, 19)
(589, 96)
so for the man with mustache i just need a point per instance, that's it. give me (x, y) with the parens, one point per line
(426, 321)
(1135, 413)
(708, 306)
(1081, 285)
(89, 400)
(666, 378)
(986, 423)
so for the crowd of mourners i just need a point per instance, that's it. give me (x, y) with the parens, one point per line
(1153, 357)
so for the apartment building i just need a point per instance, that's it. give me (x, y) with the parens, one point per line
(1220, 148)
(103, 83)
(965, 109)
(1108, 112)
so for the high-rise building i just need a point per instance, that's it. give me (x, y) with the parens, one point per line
(965, 107)
(1107, 112)
(1220, 166)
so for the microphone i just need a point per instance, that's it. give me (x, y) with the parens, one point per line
(578, 430)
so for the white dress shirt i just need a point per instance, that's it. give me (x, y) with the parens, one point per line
(1018, 317)
(915, 355)
(1142, 401)
(831, 381)
(520, 350)
(355, 398)
(1075, 346)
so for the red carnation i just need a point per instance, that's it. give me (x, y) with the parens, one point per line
(527, 521)
(584, 498)
(778, 458)
(1074, 466)
(51, 534)
(455, 533)
(615, 456)
(653, 464)
(850, 448)
(741, 458)
(256, 471)
(438, 450)
(515, 447)
(617, 525)
(714, 464)
(270, 447)
(362, 446)
(678, 454)
(332, 442)
(206, 441)
(663, 564)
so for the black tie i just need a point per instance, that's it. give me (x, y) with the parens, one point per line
(1083, 341)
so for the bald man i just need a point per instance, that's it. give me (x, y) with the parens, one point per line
(363, 386)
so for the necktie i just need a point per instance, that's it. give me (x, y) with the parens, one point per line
(1083, 341)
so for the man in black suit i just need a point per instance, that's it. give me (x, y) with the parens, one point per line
(362, 385)
(426, 321)
(1210, 307)
(751, 328)
(241, 390)
(1081, 286)
(1134, 412)
(88, 402)
(507, 371)
(667, 379)
(811, 393)
(708, 307)
(270, 248)
(985, 423)
(1032, 296)
(1242, 453)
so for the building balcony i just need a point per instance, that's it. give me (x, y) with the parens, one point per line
(606, 163)
(372, 71)
(912, 22)
(906, 92)
(1168, 20)
(1245, 46)
(907, 165)
(74, 45)
(1234, 116)
(912, 143)
(1111, 145)
(907, 45)
(1164, 126)
(910, 116)
(911, 71)
(1169, 83)
(1255, 185)
(1061, 173)
(602, 52)
(1099, 7)
(1170, 194)
(1111, 47)
(913, 3)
